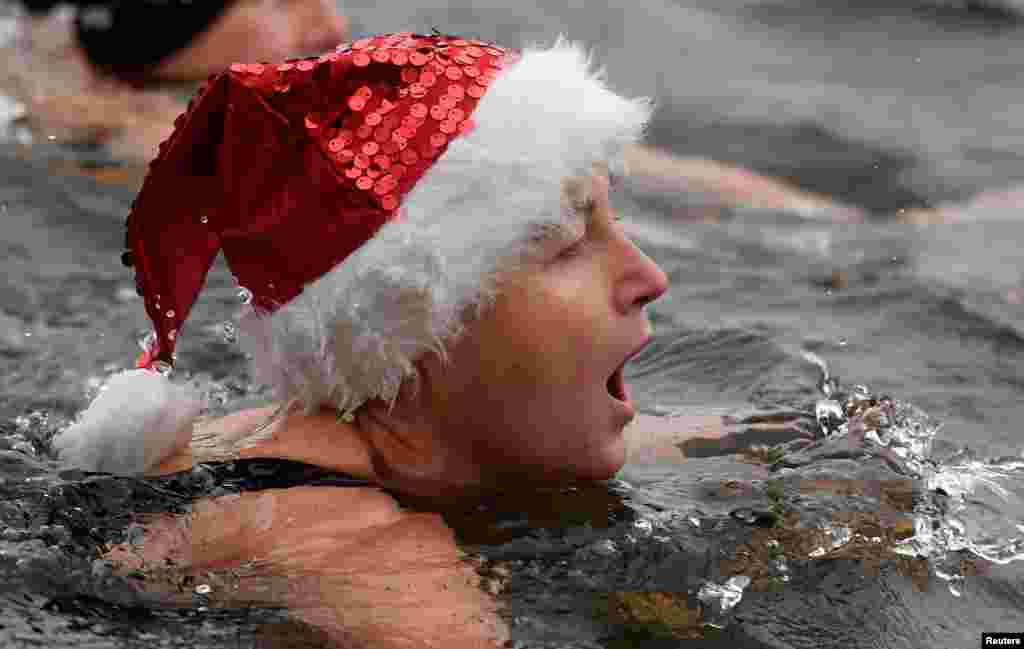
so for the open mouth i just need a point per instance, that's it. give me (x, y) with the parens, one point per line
(617, 386)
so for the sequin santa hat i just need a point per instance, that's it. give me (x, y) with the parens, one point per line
(366, 198)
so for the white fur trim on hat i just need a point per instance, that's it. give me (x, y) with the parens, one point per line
(353, 334)
(139, 420)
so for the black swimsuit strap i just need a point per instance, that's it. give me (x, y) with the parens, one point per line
(253, 474)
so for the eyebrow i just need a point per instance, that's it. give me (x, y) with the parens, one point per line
(566, 229)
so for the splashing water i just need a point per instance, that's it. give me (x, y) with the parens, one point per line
(778, 567)
(977, 496)
(972, 505)
(838, 537)
(146, 342)
(27, 437)
(719, 599)
(229, 332)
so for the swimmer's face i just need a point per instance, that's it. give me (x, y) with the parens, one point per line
(527, 391)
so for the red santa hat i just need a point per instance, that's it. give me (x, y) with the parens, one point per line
(366, 199)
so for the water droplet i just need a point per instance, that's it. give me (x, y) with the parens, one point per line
(830, 416)
(828, 292)
(172, 334)
(203, 589)
(147, 341)
(830, 386)
(126, 294)
(229, 332)
(842, 341)
(840, 536)
(170, 313)
(204, 219)
(245, 295)
(604, 548)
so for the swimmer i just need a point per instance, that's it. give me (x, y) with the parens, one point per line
(195, 39)
(442, 298)
(104, 76)
(78, 87)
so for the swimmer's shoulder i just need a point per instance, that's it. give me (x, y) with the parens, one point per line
(317, 439)
(284, 491)
(217, 440)
(300, 465)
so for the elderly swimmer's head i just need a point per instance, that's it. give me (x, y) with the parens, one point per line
(424, 225)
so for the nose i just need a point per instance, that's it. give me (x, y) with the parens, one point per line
(642, 282)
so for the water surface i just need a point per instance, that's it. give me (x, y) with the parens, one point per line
(887, 107)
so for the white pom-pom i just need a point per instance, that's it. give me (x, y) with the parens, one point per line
(140, 420)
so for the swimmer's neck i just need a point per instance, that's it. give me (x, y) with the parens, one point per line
(321, 439)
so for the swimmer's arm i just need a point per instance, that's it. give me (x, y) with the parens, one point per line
(353, 565)
(649, 170)
(653, 439)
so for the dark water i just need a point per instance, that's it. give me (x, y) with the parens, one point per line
(885, 106)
